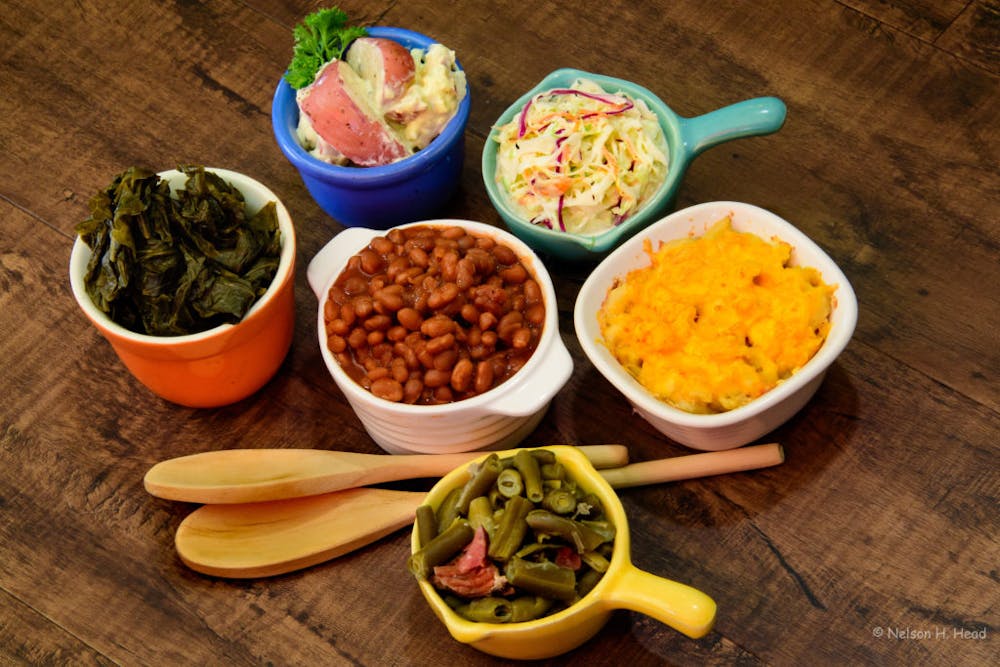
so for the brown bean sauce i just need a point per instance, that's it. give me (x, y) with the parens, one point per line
(429, 315)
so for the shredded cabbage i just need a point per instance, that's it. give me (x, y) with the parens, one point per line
(579, 159)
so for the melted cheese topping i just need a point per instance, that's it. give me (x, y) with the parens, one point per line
(716, 321)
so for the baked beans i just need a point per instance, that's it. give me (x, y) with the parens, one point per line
(428, 315)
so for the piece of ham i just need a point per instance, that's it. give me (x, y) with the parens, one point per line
(569, 558)
(471, 574)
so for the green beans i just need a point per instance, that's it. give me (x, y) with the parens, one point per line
(501, 610)
(532, 541)
(426, 524)
(481, 514)
(510, 483)
(480, 482)
(529, 607)
(527, 465)
(487, 610)
(448, 511)
(559, 501)
(587, 581)
(595, 561)
(552, 471)
(576, 533)
(543, 456)
(544, 578)
(441, 548)
(511, 529)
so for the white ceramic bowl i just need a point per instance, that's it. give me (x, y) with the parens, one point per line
(497, 419)
(747, 423)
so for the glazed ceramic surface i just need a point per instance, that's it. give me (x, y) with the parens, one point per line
(499, 418)
(412, 189)
(686, 138)
(762, 415)
(224, 364)
(623, 586)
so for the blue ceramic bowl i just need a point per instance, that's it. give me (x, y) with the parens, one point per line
(686, 138)
(414, 188)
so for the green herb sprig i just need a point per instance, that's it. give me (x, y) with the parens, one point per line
(321, 37)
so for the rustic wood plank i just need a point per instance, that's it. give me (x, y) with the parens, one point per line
(924, 20)
(974, 35)
(30, 639)
(881, 520)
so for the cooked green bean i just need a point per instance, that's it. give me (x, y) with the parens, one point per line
(487, 610)
(426, 524)
(595, 561)
(545, 578)
(527, 465)
(528, 608)
(441, 548)
(543, 456)
(452, 600)
(605, 529)
(481, 514)
(577, 533)
(480, 482)
(511, 529)
(587, 581)
(509, 483)
(448, 510)
(559, 501)
(553, 471)
(534, 548)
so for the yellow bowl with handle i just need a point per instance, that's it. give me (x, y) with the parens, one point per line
(623, 586)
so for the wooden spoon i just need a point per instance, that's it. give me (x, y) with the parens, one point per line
(255, 475)
(270, 538)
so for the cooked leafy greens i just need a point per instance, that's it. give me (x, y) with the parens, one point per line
(321, 37)
(172, 265)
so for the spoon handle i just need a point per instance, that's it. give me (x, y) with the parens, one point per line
(695, 465)
(254, 475)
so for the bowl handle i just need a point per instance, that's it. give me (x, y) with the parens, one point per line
(527, 397)
(334, 255)
(678, 605)
(761, 115)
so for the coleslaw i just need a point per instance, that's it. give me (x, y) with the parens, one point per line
(580, 159)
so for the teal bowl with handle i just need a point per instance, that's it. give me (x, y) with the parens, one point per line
(686, 138)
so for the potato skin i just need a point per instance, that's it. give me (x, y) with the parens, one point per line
(341, 115)
(385, 64)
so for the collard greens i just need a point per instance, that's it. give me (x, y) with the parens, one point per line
(172, 265)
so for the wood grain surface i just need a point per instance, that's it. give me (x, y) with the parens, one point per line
(875, 543)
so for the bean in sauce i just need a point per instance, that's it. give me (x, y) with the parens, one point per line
(429, 315)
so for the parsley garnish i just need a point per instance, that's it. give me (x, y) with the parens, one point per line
(321, 37)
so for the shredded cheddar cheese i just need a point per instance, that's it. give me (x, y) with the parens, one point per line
(716, 321)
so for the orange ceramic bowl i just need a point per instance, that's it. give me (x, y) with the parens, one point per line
(221, 365)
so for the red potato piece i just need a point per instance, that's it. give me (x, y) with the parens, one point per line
(340, 113)
(385, 64)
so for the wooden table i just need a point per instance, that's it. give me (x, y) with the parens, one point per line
(876, 542)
